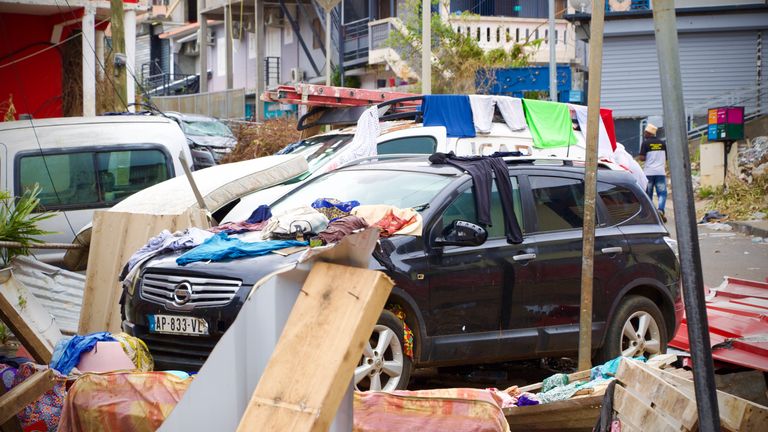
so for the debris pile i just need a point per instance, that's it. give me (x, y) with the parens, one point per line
(262, 139)
(753, 159)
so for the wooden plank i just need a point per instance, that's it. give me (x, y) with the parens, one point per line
(12, 424)
(736, 414)
(578, 413)
(311, 367)
(115, 237)
(638, 412)
(25, 393)
(25, 317)
(665, 397)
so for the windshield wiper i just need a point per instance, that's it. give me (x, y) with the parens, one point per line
(422, 207)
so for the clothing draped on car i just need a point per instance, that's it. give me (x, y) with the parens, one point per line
(482, 169)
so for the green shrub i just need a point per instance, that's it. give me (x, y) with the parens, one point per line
(18, 224)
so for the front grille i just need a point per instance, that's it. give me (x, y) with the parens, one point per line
(205, 292)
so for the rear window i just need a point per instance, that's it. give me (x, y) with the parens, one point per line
(621, 204)
(87, 179)
(405, 145)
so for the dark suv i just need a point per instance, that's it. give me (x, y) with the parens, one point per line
(466, 301)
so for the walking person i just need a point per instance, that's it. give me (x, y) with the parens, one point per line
(654, 152)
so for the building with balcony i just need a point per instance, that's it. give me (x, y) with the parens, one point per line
(723, 60)
(51, 53)
(254, 44)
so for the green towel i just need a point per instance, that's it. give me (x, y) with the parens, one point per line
(550, 123)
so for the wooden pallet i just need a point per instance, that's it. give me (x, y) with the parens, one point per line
(663, 400)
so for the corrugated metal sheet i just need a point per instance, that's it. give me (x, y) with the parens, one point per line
(712, 64)
(142, 54)
(59, 291)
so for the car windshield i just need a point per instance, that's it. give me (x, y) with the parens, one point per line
(318, 151)
(396, 188)
(206, 128)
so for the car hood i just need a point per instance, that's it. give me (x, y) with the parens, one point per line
(248, 270)
(213, 141)
(253, 269)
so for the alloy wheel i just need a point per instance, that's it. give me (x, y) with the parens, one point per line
(381, 366)
(640, 336)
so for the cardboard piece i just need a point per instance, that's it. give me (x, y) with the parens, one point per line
(241, 356)
(116, 236)
(27, 318)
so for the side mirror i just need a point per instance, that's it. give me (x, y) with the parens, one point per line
(462, 233)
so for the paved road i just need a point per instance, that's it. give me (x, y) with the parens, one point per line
(725, 253)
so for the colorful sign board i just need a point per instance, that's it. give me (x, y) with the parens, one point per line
(725, 123)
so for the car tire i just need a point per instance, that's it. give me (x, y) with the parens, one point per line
(636, 315)
(384, 365)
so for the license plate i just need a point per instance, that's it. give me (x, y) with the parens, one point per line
(175, 324)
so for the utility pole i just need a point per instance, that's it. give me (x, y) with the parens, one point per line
(328, 51)
(118, 46)
(590, 184)
(665, 27)
(552, 40)
(426, 47)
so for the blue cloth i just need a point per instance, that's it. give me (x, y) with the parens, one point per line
(261, 214)
(334, 209)
(451, 111)
(608, 369)
(67, 353)
(221, 247)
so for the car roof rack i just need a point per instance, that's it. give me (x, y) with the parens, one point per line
(420, 156)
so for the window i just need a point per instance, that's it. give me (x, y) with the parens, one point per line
(559, 202)
(355, 10)
(421, 145)
(463, 208)
(123, 173)
(64, 179)
(621, 204)
(91, 179)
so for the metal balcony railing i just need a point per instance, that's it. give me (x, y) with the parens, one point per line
(356, 40)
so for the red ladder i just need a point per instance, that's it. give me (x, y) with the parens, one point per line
(329, 96)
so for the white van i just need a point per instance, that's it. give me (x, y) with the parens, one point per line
(87, 163)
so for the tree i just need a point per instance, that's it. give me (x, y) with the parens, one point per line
(459, 64)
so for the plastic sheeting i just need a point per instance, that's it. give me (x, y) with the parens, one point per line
(121, 401)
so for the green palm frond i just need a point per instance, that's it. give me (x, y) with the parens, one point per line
(19, 222)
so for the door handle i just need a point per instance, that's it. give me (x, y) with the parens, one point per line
(524, 257)
(612, 250)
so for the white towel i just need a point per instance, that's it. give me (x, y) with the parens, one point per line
(363, 144)
(604, 147)
(483, 107)
(621, 157)
(512, 111)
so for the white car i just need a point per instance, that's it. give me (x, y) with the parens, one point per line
(87, 163)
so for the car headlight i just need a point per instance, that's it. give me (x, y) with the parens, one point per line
(132, 285)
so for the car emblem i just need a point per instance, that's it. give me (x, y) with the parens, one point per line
(182, 293)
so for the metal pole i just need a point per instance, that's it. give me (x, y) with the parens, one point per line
(426, 47)
(590, 185)
(665, 27)
(552, 40)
